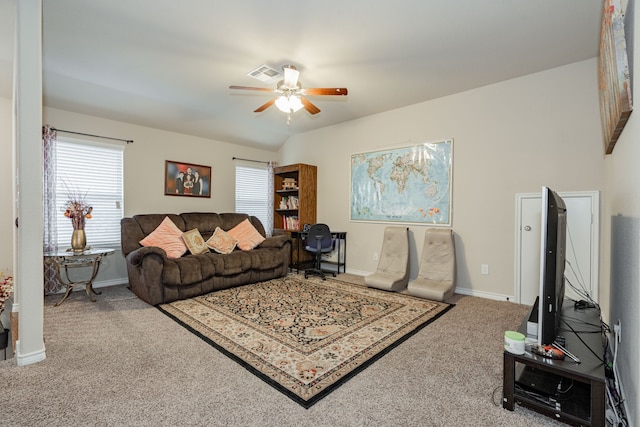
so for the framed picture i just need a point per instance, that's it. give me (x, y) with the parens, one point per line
(614, 77)
(186, 179)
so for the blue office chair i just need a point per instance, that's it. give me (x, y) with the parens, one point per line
(319, 241)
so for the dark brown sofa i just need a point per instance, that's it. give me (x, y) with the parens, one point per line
(157, 279)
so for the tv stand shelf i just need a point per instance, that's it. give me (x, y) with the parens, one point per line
(581, 400)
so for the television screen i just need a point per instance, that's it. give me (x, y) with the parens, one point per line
(552, 263)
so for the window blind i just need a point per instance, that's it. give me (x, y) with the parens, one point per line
(252, 193)
(94, 172)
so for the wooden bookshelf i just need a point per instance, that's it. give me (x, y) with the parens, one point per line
(295, 191)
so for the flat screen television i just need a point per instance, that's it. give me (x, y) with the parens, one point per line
(552, 263)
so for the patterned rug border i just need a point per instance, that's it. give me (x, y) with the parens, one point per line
(327, 390)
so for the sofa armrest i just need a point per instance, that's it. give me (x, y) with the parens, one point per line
(135, 258)
(275, 241)
(144, 268)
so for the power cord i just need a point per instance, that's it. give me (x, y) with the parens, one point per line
(493, 396)
(615, 413)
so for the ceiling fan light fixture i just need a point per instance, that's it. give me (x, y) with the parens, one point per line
(295, 103)
(291, 75)
(288, 104)
(290, 96)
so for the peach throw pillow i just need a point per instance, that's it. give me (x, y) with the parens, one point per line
(246, 235)
(221, 242)
(168, 237)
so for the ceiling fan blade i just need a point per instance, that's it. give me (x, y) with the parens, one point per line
(312, 109)
(262, 89)
(264, 106)
(326, 91)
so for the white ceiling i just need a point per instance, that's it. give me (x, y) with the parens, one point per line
(168, 64)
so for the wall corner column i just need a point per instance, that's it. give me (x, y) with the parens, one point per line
(28, 258)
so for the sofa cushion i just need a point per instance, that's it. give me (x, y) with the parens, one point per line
(192, 269)
(246, 235)
(263, 259)
(168, 237)
(194, 241)
(222, 242)
(205, 222)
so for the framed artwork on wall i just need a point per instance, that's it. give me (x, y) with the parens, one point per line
(614, 80)
(187, 179)
(403, 185)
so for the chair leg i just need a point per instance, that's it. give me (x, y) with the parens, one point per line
(317, 270)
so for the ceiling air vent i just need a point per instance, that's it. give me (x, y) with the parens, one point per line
(266, 74)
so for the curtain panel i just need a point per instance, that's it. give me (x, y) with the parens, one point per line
(50, 229)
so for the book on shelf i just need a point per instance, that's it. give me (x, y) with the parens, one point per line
(290, 202)
(290, 222)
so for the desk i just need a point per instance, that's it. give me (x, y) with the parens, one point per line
(586, 404)
(88, 258)
(299, 236)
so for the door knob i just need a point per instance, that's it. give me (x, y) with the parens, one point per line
(527, 228)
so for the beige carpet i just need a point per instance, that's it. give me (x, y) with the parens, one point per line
(121, 362)
(304, 337)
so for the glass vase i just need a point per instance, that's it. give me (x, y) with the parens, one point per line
(78, 241)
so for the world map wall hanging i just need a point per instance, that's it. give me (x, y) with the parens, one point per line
(403, 185)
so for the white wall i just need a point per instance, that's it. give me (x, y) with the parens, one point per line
(510, 137)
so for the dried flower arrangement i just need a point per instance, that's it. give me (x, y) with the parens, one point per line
(6, 288)
(78, 210)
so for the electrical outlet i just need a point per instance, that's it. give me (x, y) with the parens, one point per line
(617, 328)
(484, 269)
(375, 256)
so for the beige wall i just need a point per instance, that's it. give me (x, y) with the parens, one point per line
(6, 190)
(6, 185)
(144, 163)
(621, 241)
(511, 137)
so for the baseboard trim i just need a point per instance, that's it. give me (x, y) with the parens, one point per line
(112, 282)
(100, 284)
(358, 272)
(31, 358)
(486, 295)
(458, 290)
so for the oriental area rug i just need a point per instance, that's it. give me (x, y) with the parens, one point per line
(304, 337)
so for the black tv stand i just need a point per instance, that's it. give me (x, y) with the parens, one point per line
(579, 398)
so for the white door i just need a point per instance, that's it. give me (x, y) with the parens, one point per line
(582, 254)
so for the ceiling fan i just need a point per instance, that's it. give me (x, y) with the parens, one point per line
(291, 94)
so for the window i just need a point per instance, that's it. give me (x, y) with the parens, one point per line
(252, 193)
(94, 171)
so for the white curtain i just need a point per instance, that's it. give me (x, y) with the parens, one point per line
(50, 229)
(270, 188)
